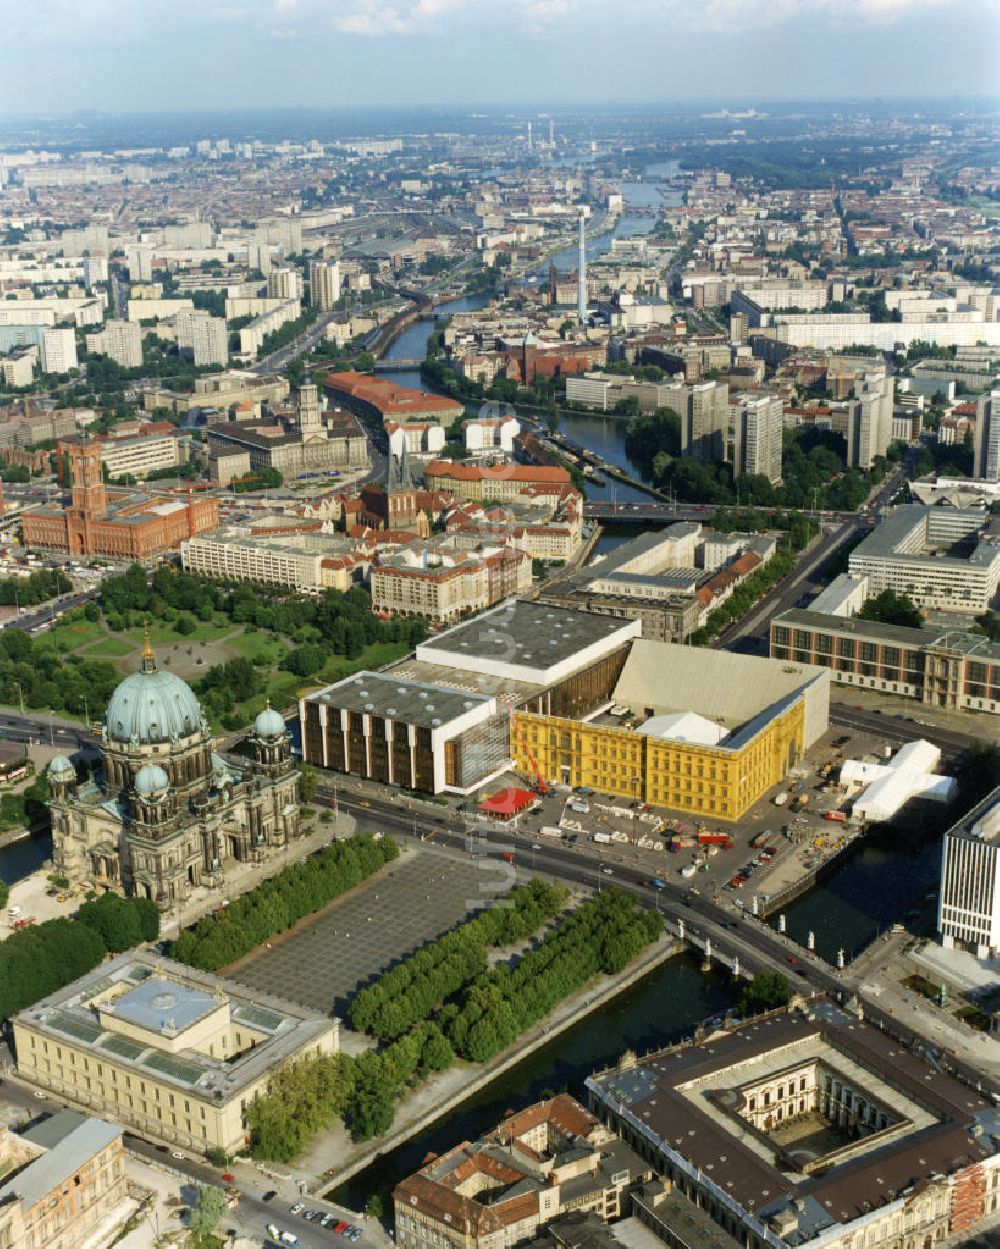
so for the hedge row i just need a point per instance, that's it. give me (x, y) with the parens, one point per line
(411, 990)
(276, 904)
(602, 935)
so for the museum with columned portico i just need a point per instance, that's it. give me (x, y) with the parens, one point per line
(164, 812)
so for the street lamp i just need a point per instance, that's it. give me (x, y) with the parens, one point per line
(20, 693)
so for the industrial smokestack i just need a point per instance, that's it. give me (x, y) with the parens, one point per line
(581, 269)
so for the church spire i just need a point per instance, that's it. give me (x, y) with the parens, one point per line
(405, 477)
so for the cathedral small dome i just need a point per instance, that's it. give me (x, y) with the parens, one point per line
(269, 723)
(151, 779)
(61, 767)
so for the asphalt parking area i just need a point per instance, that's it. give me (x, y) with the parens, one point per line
(327, 959)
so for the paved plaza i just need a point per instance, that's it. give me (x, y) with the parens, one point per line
(326, 959)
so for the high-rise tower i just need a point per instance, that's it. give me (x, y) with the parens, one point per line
(529, 137)
(581, 283)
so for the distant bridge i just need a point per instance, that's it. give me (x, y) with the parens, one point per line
(399, 364)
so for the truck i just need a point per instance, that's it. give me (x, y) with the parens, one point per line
(781, 799)
(723, 840)
(764, 838)
(838, 817)
(603, 839)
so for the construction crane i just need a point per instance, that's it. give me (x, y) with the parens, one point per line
(540, 783)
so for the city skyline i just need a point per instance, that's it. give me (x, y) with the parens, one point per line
(285, 53)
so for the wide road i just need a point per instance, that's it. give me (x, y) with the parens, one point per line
(44, 729)
(45, 613)
(899, 728)
(306, 341)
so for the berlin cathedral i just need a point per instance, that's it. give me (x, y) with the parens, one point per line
(165, 812)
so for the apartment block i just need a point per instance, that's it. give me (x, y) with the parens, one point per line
(59, 351)
(120, 341)
(203, 338)
(869, 420)
(704, 411)
(986, 461)
(324, 284)
(758, 423)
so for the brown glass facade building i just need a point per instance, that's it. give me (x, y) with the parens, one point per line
(945, 668)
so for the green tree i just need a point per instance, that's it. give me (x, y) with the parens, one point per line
(892, 608)
(115, 919)
(208, 1210)
(766, 991)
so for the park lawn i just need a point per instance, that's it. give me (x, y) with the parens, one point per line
(377, 655)
(258, 645)
(109, 647)
(281, 691)
(204, 631)
(71, 635)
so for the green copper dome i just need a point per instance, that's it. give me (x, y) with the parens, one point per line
(152, 706)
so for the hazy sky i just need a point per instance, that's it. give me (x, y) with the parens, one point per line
(60, 55)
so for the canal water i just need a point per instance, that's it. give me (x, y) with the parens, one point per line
(882, 882)
(661, 1009)
(21, 858)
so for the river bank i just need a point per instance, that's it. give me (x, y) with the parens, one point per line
(440, 1095)
(664, 1002)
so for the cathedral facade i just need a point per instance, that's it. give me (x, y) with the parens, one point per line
(166, 813)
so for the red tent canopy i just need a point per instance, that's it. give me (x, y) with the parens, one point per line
(508, 802)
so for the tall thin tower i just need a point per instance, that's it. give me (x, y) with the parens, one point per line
(529, 137)
(552, 133)
(581, 269)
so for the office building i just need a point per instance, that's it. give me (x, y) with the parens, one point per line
(120, 341)
(669, 580)
(307, 440)
(986, 459)
(968, 916)
(202, 338)
(153, 449)
(808, 1127)
(758, 424)
(939, 557)
(170, 1053)
(64, 1183)
(869, 420)
(324, 284)
(103, 521)
(507, 1186)
(947, 668)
